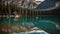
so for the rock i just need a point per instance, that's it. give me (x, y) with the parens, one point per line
(35, 28)
(15, 28)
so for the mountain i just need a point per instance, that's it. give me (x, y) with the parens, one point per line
(24, 3)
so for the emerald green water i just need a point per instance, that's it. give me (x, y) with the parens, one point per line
(47, 23)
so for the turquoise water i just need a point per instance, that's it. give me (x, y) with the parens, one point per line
(47, 23)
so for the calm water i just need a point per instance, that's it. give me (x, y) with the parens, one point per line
(47, 23)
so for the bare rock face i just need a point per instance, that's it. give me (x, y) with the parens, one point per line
(31, 4)
(58, 3)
